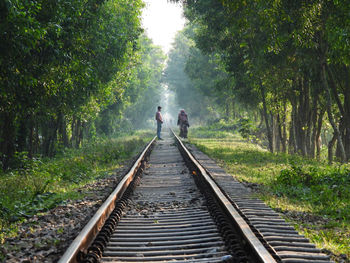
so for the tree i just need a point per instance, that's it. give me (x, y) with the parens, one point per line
(287, 55)
(57, 62)
(188, 93)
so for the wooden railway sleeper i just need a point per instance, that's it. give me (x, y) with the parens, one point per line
(232, 244)
(253, 228)
(202, 185)
(227, 233)
(95, 251)
(230, 238)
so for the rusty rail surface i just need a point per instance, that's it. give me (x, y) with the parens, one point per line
(255, 245)
(279, 237)
(90, 231)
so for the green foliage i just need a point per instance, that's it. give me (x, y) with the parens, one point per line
(145, 86)
(268, 58)
(222, 128)
(187, 91)
(142, 92)
(246, 128)
(61, 64)
(201, 132)
(326, 188)
(40, 184)
(224, 125)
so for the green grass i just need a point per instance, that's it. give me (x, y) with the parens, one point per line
(41, 184)
(313, 195)
(200, 132)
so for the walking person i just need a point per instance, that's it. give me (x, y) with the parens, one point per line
(182, 121)
(159, 119)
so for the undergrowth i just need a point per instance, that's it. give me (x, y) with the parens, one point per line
(38, 185)
(326, 189)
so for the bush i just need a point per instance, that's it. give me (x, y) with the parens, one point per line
(223, 125)
(39, 184)
(203, 133)
(247, 129)
(224, 128)
(328, 189)
(298, 175)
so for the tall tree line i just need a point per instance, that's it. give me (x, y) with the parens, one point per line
(190, 86)
(63, 64)
(292, 57)
(142, 94)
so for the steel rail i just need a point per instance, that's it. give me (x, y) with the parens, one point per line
(257, 247)
(89, 232)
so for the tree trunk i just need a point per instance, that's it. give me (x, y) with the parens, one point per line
(303, 116)
(330, 148)
(275, 137)
(31, 138)
(282, 130)
(318, 133)
(347, 112)
(261, 119)
(293, 147)
(22, 134)
(266, 117)
(330, 115)
(49, 137)
(77, 133)
(7, 142)
(307, 118)
(344, 110)
(313, 126)
(64, 133)
(46, 138)
(297, 120)
(62, 129)
(82, 131)
(291, 142)
(333, 87)
(341, 129)
(279, 124)
(72, 139)
(36, 139)
(53, 140)
(299, 117)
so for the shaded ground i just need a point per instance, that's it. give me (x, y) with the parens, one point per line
(44, 238)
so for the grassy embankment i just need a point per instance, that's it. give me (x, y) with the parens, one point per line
(41, 184)
(313, 196)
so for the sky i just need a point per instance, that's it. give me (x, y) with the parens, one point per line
(161, 20)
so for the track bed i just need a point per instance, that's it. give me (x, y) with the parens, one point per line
(167, 218)
(179, 208)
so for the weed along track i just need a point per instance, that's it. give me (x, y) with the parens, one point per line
(168, 209)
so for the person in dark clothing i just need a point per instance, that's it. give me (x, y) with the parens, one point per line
(159, 119)
(182, 121)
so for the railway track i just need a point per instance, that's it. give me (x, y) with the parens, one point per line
(169, 209)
